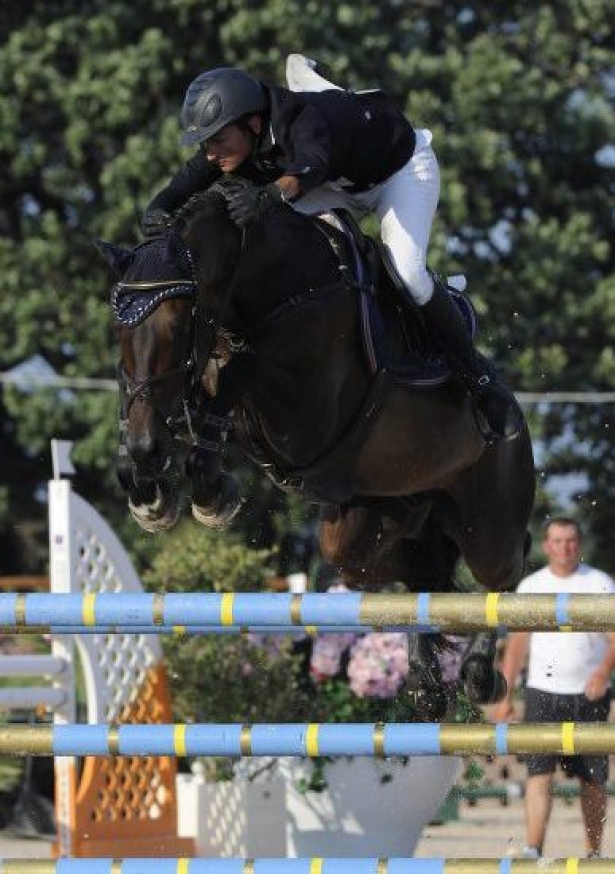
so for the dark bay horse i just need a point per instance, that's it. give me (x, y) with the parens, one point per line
(404, 478)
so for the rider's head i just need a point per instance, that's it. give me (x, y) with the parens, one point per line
(222, 112)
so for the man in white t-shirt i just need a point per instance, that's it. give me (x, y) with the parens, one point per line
(568, 681)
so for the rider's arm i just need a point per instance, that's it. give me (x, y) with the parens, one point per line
(302, 133)
(197, 174)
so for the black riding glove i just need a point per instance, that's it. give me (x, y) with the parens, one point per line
(155, 223)
(250, 203)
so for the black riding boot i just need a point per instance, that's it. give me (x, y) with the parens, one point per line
(494, 403)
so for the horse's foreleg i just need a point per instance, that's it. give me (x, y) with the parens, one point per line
(153, 504)
(216, 497)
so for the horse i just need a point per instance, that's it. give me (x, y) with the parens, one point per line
(405, 481)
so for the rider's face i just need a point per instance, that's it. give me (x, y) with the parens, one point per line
(230, 147)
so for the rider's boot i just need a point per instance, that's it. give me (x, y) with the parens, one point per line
(494, 403)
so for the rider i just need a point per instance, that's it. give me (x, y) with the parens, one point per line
(332, 148)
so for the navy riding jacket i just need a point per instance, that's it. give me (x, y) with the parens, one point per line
(316, 136)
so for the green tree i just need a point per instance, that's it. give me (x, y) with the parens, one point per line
(519, 97)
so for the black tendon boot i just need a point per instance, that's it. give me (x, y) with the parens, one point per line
(495, 405)
(216, 499)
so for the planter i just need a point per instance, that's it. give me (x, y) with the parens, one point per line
(369, 808)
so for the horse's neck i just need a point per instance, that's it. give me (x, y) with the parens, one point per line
(309, 379)
(282, 260)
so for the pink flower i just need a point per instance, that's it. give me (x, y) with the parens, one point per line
(327, 655)
(378, 665)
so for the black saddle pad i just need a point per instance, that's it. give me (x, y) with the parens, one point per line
(394, 335)
(395, 339)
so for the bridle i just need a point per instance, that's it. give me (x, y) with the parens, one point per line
(184, 426)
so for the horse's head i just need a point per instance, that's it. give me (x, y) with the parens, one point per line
(167, 307)
(153, 304)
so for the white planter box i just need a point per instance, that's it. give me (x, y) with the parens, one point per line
(370, 808)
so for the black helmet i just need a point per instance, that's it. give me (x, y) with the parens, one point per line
(217, 98)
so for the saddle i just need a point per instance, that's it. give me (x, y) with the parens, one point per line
(394, 335)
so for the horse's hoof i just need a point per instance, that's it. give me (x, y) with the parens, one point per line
(430, 705)
(482, 683)
(152, 523)
(221, 513)
(159, 514)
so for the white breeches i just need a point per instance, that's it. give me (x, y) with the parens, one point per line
(405, 205)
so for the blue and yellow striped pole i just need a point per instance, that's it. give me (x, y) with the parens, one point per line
(309, 739)
(458, 612)
(209, 630)
(307, 866)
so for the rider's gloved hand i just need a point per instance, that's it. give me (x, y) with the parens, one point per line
(250, 203)
(155, 223)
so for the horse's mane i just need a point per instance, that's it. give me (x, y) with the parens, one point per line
(211, 200)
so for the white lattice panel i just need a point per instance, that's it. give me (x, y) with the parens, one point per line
(115, 665)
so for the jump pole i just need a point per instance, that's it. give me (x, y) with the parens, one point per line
(309, 739)
(457, 612)
(307, 866)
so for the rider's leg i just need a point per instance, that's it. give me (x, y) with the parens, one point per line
(406, 207)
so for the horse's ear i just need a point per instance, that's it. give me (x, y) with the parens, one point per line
(118, 258)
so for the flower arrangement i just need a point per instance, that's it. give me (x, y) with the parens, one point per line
(274, 678)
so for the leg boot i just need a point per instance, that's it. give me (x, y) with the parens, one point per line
(216, 497)
(495, 405)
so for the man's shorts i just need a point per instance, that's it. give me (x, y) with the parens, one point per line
(552, 707)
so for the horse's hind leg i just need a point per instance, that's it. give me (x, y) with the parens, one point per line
(366, 539)
(424, 685)
(489, 513)
(482, 683)
(491, 506)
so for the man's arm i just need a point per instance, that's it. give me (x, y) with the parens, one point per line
(197, 174)
(600, 680)
(513, 660)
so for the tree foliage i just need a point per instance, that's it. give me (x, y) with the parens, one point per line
(519, 98)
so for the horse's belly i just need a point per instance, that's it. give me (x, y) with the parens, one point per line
(418, 442)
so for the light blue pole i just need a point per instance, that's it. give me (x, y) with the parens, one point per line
(201, 630)
(451, 612)
(266, 866)
(295, 866)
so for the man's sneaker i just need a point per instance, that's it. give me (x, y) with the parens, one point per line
(595, 854)
(530, 853)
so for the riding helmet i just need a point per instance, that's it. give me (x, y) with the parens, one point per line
(217, 98)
